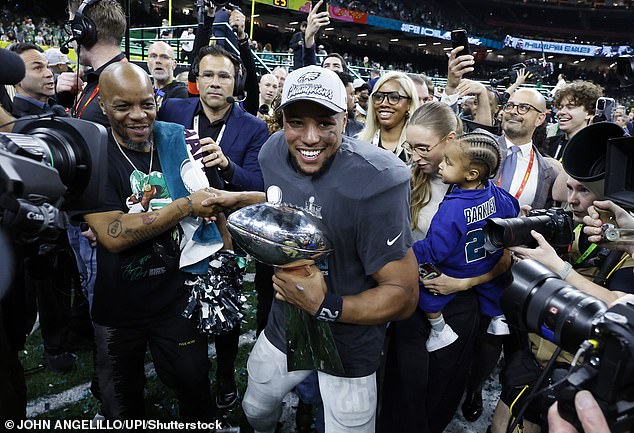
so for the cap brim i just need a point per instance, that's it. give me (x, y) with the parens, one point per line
(326, 104)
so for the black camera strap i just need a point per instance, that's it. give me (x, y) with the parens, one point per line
(535, 391)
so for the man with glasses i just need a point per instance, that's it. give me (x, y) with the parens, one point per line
(525, 173)
(161, 64)
(233, 138)
(236, 135)
(529, 177)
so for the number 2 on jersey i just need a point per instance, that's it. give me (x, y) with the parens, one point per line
(474, 246)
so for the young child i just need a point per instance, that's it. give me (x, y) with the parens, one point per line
(455, 241)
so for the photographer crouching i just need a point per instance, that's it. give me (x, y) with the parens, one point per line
(562, 300)
(578, 314)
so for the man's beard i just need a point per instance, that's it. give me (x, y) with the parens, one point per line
(139, 147)
(513, 131)
(161, 76)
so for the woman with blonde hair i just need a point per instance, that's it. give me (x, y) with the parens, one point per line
(422, 389)
(428, 130)
(393, 99)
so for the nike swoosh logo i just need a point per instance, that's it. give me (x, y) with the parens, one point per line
(390, 242)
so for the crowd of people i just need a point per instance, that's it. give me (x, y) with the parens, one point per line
(15, 28)
(402, 176)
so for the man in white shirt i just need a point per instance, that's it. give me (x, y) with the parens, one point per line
(532, 176)
(187, 45)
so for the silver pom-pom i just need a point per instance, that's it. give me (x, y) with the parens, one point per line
(215, 301)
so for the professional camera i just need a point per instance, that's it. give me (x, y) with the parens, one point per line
(603, 338)
(555, 224)
(49, 168)
(535, 68)
(48, 165)
(202, 5)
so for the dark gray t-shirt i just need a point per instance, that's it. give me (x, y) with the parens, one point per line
(363, 200)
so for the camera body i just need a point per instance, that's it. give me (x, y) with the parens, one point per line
(50, 168)
(604, 110)
(538, 301)
(607, 371)
(535, 68)
(555, 224)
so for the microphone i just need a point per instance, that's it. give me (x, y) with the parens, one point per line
(232, 99)
(12, 71)
(264, 109)
(63, 47)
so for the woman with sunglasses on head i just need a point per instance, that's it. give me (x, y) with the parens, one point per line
(421, 389)
(393, 99)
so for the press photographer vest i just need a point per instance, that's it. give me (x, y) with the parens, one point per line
(594, 262)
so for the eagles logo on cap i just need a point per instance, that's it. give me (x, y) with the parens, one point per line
(308, 76)
(315, 84)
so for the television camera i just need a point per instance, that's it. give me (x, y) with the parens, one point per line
(51, 168)
(535, 68)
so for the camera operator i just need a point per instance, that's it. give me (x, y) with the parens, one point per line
(34, 95)
(98, 48)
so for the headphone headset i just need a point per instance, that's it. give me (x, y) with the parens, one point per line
(239, 79)
(82, 27)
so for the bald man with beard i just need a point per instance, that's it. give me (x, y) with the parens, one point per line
(140, 291)
(529, 177)
(530, 182)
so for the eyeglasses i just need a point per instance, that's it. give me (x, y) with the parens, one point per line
(223, 77)
(423, 150)
(393, 98)
(522, 108)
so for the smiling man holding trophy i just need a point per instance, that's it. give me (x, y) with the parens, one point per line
(329, 192)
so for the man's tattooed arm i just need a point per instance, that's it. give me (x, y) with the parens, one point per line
(118, 231)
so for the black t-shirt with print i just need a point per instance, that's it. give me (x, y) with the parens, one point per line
(142, 283)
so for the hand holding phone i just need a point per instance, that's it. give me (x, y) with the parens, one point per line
(459, 39)
(427, 271)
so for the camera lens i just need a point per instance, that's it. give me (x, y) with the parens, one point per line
(538, 301)
(510, 232)
(75, 150)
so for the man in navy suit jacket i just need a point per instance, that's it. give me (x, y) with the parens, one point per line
(237, 135)
(232, 139)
